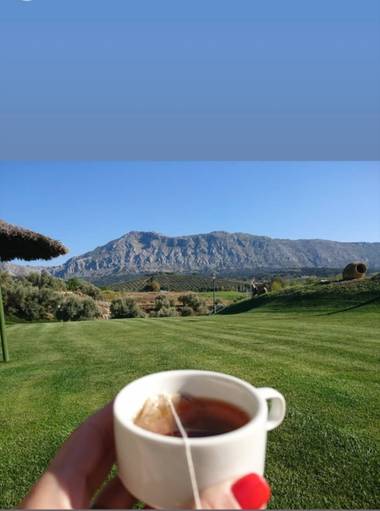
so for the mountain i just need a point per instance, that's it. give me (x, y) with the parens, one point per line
(19, 271)
(148, 252)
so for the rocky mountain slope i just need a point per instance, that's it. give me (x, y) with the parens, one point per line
(148, 252)
(19, 271)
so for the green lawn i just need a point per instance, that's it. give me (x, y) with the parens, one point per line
(225, 295)
(326, 453)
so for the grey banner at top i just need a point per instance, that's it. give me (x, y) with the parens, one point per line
(246, 80)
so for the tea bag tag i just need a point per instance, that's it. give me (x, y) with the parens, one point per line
(189, 458)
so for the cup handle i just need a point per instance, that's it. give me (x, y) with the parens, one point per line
(277, 411)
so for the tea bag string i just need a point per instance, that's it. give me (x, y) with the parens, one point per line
(189, 458)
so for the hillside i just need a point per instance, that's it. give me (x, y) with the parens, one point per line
(331, 298)
(19, 271)
(149, 252)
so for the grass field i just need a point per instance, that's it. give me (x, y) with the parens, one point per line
(325, 362)
(225, 296)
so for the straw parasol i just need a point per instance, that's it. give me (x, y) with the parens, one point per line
(19, 243)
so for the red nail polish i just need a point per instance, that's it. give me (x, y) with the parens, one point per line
(251, 491)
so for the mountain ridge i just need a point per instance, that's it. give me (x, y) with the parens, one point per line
(149, 252)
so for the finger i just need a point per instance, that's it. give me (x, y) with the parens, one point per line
(248, 492)
(80, 466)
(87, 455)
(114, 496)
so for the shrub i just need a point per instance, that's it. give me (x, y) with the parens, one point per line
(74, 308)
(165, 312)
(39, 297)
(191, 300)
(277, 283)
(125, 308)
(31, 309)
(45, 280)
(161, 302)
(187, 311)
(69, 309)
(78, 285)
(29, 302)
(163, 307)
(89, 309)
(203, 310)
(5, 279)
(194, 302)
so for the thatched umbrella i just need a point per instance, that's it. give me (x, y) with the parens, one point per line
(19, 243)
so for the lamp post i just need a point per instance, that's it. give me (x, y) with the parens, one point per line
(213, 292)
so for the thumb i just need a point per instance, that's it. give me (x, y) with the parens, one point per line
(248, 492)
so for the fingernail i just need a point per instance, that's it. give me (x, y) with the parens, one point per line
(251, 491)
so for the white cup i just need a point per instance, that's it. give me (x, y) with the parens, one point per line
(154, 468)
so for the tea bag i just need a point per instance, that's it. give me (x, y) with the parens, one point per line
(156, 415)
(159, 415)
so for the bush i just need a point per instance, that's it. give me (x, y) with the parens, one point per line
(78, 285)
(277, 283)
(5, 279)
(38, 296)
(161, 302)
(74, 308)
(45, 280)
(125, 308)
(165, 312)
(192, 301)
(30, 308)
(187, 311)
(203, 310)
(89, 309)
(28, 302)
(163, 307)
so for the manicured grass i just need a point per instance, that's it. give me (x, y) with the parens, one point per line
(225, 296)
(326, 453)
(333, 297)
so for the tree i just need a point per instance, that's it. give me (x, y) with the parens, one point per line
(44, 280)
(82, 286)
(152, 285)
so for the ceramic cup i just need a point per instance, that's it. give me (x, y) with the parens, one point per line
(154, 468)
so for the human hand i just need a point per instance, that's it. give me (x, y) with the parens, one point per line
(85, 460)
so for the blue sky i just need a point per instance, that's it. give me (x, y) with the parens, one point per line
(88, 204)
